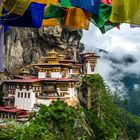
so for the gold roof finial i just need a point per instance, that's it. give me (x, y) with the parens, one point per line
(24, 70)
(52, 52)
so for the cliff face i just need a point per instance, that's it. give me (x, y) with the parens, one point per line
(25, 45)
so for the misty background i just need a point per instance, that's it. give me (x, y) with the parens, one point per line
(119, 62)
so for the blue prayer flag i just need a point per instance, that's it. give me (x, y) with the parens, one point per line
(91, 6)
(6, 28)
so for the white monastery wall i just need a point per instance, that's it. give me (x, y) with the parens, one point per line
(44, 101)
(88, 67)
(25, 99)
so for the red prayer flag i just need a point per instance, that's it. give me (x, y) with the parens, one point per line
(106, 1)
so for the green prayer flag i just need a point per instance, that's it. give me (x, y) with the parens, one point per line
(103, 15)
(108, 26)
(53, 11)
(65, 3)
(102, 20)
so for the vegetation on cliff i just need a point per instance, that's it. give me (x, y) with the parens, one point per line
(102, 116)
(58, 121)
(107, 120)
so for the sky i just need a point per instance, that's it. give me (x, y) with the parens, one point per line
(126, 38)
(124, 48)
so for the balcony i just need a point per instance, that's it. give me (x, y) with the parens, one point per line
(47, 96)
(49, 89)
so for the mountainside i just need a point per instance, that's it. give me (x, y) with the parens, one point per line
(25, 45)
(132, 84)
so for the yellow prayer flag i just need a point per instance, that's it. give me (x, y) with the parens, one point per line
(46, 1)
(16, 6)
(77, 18)
(50, 22)
(126, 11)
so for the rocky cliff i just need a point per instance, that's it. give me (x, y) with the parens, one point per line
(25, 45)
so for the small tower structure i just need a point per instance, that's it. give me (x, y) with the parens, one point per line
(89, 62)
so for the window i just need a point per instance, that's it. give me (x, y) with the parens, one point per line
(62, 94)
(33, 88)
(48, 87)
(40, 94)
(21, 94)
(25, 95)
(40, 88)
(18, 94)
(28, 95)
(36, 94)
(27, 87)
(64, 87)
(92, 68)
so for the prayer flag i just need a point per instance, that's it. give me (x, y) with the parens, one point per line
(76, 18)
(50, 22)
(33, 17)
(65, 3)
(108, 26)
(125, 11)
(103, 15)
(16, 6)
(106, 1)
(102, 20)
(53, 11)
(134, 26)
(91, 6)
(46, 1)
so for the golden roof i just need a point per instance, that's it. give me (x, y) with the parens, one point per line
(61, 55)
(52, 52)
(52, 59)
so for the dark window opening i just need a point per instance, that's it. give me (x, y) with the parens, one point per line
(21, 94)
(28, 95)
